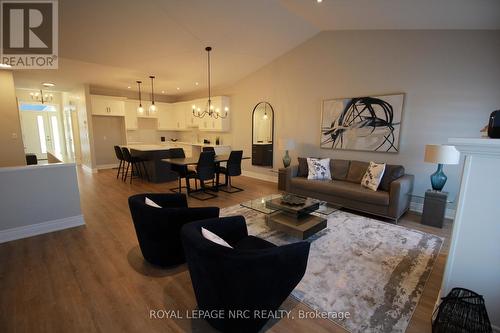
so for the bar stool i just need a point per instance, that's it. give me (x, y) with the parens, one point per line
(119, 156)
(135, 162)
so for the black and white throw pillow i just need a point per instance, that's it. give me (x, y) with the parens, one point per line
(319, 168)
(373, 176)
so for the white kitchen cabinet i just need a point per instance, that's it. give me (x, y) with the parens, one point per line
(220, 105)
(166, 117)
(187, 110)
(107, 105)
(130, 115)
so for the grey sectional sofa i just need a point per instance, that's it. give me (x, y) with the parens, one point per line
(391, 200)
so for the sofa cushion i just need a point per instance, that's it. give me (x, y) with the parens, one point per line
(253, 243)
(339, 168)
(303, 170)
(356, 172)
(342, 189)
(319, 168)
(373, 176)
(392, 172)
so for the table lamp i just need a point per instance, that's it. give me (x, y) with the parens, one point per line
(440, 154)
(286, 145)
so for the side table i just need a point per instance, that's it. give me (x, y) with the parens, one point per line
(434, 208)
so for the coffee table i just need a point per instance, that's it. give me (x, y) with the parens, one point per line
(296, 220)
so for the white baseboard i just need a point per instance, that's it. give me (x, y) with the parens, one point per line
(418, 207)
(270, 178)
(107, 166)
(40, 228)
(88, 169)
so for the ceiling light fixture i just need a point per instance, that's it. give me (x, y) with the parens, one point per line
(48, 84)
(163, 91)
(152, 107)
(210, 108)
(319, 1)
(41, 97)
(178, 88)
(196, 83)
(129, 87)
(140, 109)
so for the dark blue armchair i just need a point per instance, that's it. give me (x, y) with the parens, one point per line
(255, 275)
(158, 229)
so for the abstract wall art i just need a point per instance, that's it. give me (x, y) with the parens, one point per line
(370, 123)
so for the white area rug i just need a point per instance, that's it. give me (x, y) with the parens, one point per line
(374, 270)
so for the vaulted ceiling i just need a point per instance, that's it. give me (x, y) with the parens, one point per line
(113, 43)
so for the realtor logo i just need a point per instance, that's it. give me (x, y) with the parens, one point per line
(29, 36)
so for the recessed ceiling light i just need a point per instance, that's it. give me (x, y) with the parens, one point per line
(48, 84)
(163, 91)
(5, 66)
(196, 83)
(319, 1)
(178, 88)
(129, 87)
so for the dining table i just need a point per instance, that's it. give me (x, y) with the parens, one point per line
(187, 161)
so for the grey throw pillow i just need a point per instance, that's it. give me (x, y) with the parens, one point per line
(339, 168)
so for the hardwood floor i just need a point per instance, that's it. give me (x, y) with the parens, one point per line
(94, 279)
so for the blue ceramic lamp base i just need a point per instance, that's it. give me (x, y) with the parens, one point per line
(438, 179)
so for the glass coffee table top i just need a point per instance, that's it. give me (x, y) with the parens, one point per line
(259, 204)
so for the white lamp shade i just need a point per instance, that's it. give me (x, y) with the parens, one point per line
(286, 144)
(441, 154)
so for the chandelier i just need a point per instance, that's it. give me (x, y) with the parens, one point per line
(41, 97)
(210, 110)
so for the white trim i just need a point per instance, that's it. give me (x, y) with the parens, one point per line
(88, 169)
(37, 166)
(107, 166)
(257, 175)
(40, 228)
(418, 207)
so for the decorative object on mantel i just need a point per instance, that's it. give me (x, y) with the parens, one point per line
(440, 154)
(341, 275)
(286, 145)
(370, 123)
(140, 109)
(494, 125)
(210, 111)
(152, 107)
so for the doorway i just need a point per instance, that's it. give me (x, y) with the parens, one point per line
(42, 129)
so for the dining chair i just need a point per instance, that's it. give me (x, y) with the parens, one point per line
(208, 149)
(135, 163)
(232, 168)
(205, 171)
(119, 156)
(181, 170)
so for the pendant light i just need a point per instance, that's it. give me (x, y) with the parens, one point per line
(209, 111)
(152, 107)
(140, 109)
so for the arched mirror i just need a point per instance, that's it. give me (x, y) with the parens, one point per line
(262, 134)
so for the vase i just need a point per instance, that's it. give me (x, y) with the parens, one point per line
(438, 179)
(286, 159)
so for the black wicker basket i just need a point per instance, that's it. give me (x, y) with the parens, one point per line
(461, 311)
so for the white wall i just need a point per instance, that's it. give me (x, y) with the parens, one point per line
(38, 199)
(451, 80)
(11, 142)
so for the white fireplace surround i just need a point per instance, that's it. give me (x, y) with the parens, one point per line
(474, 257)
